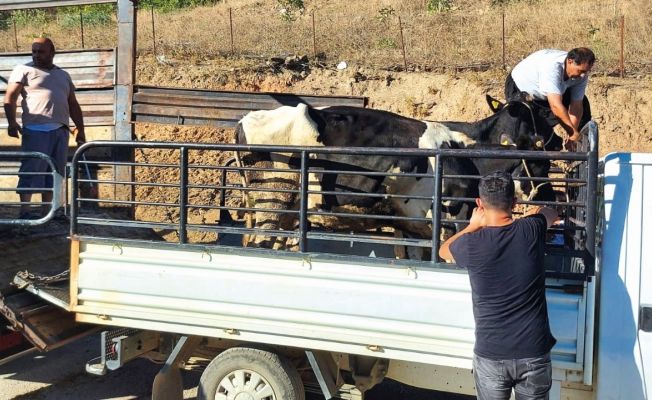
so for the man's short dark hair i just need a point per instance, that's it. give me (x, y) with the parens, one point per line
(497, 190)
(581, 55)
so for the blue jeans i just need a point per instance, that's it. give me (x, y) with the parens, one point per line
(531, 378)
(52, 143)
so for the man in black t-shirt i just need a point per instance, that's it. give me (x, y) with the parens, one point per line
(504, 259)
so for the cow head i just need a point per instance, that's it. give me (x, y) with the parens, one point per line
(538, 118)
(519, 124)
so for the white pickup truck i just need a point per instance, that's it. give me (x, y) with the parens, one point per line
(333, 313)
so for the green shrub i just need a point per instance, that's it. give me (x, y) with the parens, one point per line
(34, 17)
(171, 5)
(439, 6)
(387, 43)
(385, 13)
(96, 14)
(290, 8)
(5, 20)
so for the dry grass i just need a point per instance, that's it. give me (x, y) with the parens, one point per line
(355, 31)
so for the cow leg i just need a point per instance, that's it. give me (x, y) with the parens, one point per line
(273, 206)
(399, 250)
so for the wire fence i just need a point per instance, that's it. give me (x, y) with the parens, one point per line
(495, 38)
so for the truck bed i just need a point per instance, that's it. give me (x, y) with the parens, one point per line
(398, 310)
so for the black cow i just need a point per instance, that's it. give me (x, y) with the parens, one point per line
(512, 127)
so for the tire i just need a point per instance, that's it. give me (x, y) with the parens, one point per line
(250, 374)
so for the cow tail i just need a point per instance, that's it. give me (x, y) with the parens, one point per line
(249, 224)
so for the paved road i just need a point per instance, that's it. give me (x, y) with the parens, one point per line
(60, 375)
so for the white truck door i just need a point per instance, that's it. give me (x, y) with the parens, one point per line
(624, 362)
(645, 283)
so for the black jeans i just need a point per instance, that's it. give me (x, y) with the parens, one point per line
(531, 378)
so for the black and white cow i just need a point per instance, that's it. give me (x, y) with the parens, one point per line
(344, 126)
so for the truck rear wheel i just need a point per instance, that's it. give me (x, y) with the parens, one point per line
(244, 373)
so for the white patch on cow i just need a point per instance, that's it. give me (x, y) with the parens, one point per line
(413, 187)
(436, 134)
(518, 191)
(284, 126)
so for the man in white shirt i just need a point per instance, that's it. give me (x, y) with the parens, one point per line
(557, 81)
(48, 104)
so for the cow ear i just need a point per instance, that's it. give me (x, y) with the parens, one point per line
(506, 140)
(494, 104)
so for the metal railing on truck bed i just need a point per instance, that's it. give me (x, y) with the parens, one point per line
(14, 211)
(195, 195)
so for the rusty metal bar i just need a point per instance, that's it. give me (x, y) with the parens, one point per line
(622, 46)
(81, 27)
(314, 37)
(400, 28)
(231, 30)
(153, 34)
(15, 33)
(504, 62)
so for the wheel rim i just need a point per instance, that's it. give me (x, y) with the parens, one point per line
(244, 384)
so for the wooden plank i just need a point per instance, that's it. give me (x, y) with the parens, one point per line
(74, 272)
(97, 107)
(188, 112)
(26, 4)
(225, 102)
(67, 58)
(86, 68)
(282, 98)
(185, 121)
(217, 108)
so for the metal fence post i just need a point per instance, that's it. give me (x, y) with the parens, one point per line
(81, 26)
(153, 33)
(314, 37)
(622, 46)
(231, 30)
(15, 34)
(504, 63)
(400, 28)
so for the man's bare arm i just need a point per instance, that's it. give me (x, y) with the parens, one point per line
(561, 112)
(550, 214)
(476, 223)
(77, 117)
(575, 112)
(10, 104)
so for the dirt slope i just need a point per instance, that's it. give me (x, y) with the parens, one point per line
(620, 106)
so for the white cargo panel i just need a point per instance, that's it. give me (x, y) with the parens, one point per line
(360, 307)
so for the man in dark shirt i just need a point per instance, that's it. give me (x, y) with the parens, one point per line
(504, 259)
